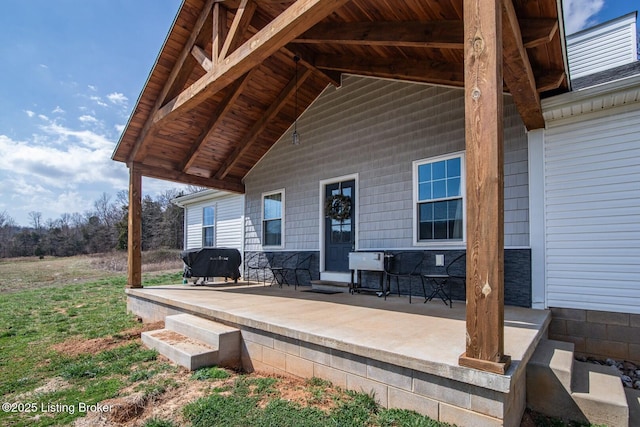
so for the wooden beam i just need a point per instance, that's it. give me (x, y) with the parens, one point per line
(201, 57)
(518, 75)
(231, 185)
(303, 53)
(216, 118)
(538, 31)
(219, 31)
(239, 27)
(484, 186)
(430, 34)
(425, 71)
(134, 224)
(426, 34)
(261, 124)
(295, 20)
(177, 78)
(549, 80)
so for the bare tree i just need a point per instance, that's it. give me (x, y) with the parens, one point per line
(7, 230)
(36, 219)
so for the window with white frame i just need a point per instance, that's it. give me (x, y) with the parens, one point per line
(272, 218)
(439, 196)
(208, 226)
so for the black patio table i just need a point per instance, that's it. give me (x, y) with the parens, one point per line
(438, 282)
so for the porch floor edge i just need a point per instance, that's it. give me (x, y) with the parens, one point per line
(424, 337)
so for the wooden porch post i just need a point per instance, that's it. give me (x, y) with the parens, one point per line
(485, 186)
(134, 243)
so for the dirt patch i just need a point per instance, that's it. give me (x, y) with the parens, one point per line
(136, 408)
(77, 346)
(133, 409)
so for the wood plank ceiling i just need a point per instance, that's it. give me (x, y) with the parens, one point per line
(222, 91)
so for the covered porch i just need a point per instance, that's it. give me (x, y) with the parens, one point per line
(234, 76)
(406, 355)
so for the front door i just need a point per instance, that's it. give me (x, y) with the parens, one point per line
(339, 233)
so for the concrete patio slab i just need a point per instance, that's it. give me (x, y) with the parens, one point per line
(364, 341)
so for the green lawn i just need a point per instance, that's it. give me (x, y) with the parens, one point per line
(68, 348)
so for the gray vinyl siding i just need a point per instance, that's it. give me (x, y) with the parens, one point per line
(376, 129)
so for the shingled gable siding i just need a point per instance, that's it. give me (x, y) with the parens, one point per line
(376, 128)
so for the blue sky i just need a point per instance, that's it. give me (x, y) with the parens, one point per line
(71, 73)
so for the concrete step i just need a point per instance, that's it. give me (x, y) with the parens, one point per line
(561, 387)
(633, 400)
(329, 286)
(184, 351)
(549, 380)
(598, 392)
(223, 338)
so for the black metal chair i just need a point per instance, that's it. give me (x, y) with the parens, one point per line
(280, 270)
(454, 272)
(406, 265)
(303, 263)
(457, 271)
(258, 261)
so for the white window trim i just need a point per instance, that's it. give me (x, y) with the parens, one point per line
(214, 226)
(414, 207)
(282, 219)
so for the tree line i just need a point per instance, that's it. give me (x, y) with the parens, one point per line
(101, 229)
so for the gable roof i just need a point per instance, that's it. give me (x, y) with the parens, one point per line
(208, 114)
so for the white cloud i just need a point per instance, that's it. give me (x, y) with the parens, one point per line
(43, 117)
(117, 98)
(85, 138)
(119, 128)
(87, 119)
(99, 101)
(578, 14)
(92, 88)
(29, 113)
(70, 158)
(58, 110)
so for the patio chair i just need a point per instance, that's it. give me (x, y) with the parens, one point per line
(303, 263)
(457, 271)
(258, 261)
(280, 269)
(404, 265)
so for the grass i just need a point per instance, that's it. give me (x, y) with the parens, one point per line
(46, 313)
(69, 341)
(257, 402)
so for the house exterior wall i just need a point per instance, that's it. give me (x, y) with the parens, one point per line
(375, 129)
(591, 255)
(592, 212)
(603, 47)
(229, 220)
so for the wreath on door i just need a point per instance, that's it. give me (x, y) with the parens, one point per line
(338, 207)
